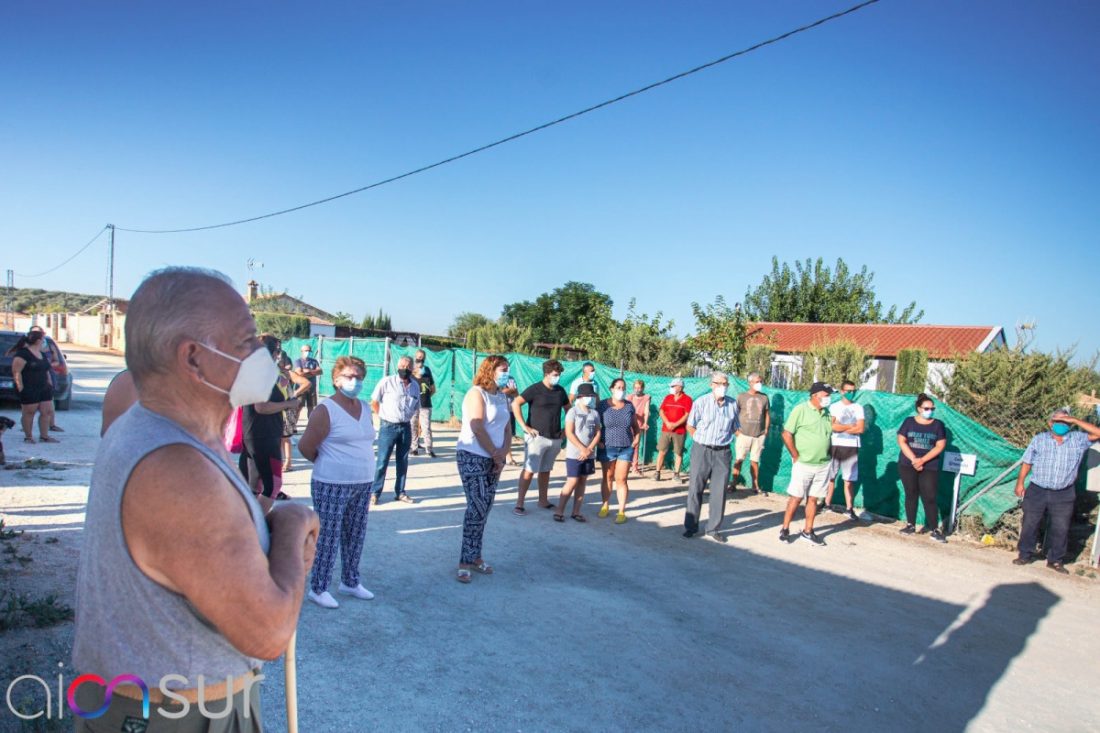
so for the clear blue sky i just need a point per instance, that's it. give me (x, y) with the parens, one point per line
(953, 148)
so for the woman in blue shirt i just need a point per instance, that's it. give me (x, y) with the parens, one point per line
(620, 437)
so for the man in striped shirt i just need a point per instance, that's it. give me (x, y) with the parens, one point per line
(712, 423)
(1053, 459)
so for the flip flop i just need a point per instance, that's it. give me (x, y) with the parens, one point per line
(482, 567)
(48, 439)
(559, 518)
(282, 497)
(549, 506)
(29, 439)
(579, 518)
(519, 511)
(463, 575)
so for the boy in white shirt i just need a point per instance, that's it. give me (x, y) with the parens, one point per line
(848, 420)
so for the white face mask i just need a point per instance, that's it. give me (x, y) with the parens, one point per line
(255, 377)
(826, 401)
(585, 402)
(553, 379)
(755, 386)
(617, 394)
(351, 387)
(719, 391)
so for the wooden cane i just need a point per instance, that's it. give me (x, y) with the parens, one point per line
(290, 665)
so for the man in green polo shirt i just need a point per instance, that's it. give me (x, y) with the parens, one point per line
(808, 434)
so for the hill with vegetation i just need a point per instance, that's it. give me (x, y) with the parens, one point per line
(37, 300)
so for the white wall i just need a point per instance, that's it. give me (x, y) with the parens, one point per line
(938, 371)
(316, 330)
(785, 368)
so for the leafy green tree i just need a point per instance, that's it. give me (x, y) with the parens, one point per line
(465, 322)
(283, 325)
(563, 315)
(381, 322)
(912, 371)
(811, 292)
(833, 363)
(638, 343)
(344, 319)
(720, 336)
(758, 358)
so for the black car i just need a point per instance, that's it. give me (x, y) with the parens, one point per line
(62, 379)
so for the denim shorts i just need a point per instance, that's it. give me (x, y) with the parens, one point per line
(609, 453)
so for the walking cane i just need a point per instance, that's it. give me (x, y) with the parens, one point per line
(290, 665)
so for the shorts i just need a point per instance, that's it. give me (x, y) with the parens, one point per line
(540, 454)
(677, 440)
(809, 481)
(607, 454)
(845, 462)
(748, 446)
(575, 468)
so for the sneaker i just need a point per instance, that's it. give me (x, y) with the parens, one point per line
(851, 515)
(1058, 568)
(908, 529)
(937, 536)
(658, 476)
(676, 476)
(431, 454)
(358, 591)
(715, 537)
(688, 534)
(784, 535)
(324, 600)
(926, 530)
(416, 452)
(405, 498)
(812, 538)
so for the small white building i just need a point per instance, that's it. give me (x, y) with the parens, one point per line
(943, 344)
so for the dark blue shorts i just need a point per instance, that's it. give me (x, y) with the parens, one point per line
(576, 469)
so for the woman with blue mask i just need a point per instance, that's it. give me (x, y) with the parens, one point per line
(339, 440)
(921, 440)
(618, 441)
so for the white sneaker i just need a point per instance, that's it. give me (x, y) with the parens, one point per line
(324, 600)
(358, 591)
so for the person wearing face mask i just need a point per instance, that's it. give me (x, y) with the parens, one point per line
(641, 402)
(713, 424)
(921, 439)
(756, 421)
(674, 412)
(582, 436)
(262, 426)
(480, 453)
(422, 421)
(848, 421)
(339, 440)
(807, 433)
(308, 367)
(212, 585)
(30, 370)
(547, 402)
(588, 376)
(618, 441)
(396, 400)
(1052, 459)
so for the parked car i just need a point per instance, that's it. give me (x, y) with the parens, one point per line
(62, 377)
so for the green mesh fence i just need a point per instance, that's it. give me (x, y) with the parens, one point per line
(878, 488)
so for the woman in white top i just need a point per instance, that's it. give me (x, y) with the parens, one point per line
(339, 440)
(482, 450)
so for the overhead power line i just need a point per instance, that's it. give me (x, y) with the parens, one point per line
(518, 135)
(70, 259)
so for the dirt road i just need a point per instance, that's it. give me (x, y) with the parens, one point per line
(605, 627)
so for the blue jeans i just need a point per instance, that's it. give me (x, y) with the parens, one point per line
(390, 436)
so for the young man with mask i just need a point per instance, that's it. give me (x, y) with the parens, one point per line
(547, 403)
(422, 421)
(674, 411)
(588, 376)
(396, 399)
(1052, 459)
(807, 434)
(308, 367)
(848, 419)
(756, 420)
(713, 423)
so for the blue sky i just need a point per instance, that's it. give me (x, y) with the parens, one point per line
(950, 147)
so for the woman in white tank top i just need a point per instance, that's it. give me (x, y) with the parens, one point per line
(482, 450)
(340, 441)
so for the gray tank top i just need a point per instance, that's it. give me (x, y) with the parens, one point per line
(125, 622)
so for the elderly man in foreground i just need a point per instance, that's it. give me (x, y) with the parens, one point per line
(184, 584)
(1053, 459)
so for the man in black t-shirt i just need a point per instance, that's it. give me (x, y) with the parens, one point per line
(547, 401)
(422, 422)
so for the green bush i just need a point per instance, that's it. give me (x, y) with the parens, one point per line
(283, 325)
(758, 359)
(912, 374)
(832, 363)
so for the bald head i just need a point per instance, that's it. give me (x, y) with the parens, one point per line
(173, 305)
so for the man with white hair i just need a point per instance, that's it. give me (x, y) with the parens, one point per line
(396, 400)
(183, 581)
(1053, 459)
(713, 423)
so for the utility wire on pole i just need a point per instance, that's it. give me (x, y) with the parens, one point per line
(111, 288)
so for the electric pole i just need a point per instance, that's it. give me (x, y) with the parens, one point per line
(111, 288)
(9, 315)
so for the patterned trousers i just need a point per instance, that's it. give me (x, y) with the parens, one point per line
(342, 509)
(479, 481)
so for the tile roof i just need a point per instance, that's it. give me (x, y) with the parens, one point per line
(881, 340)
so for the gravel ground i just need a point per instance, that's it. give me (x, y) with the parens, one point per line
(605, 627)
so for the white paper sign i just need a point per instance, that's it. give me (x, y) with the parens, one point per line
(960, 463)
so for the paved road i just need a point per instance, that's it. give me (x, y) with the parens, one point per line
(601, 627)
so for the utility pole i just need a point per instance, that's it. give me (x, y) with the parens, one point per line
(111, 288)
(9, 315)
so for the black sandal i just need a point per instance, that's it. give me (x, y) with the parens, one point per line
(559, 518)
(579, 517)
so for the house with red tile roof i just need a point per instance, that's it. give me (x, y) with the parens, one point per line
(883, 341)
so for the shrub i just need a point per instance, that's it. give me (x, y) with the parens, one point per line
(912, 371)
